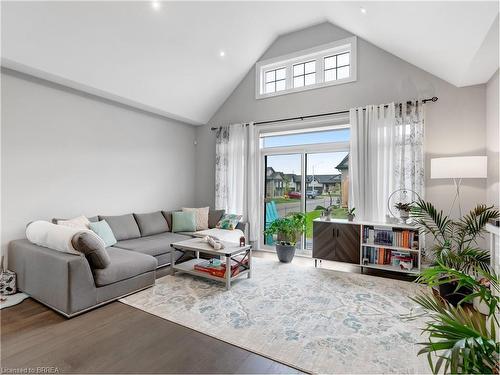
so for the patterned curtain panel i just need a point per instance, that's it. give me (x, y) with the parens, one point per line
(221, 166)
(409, 148)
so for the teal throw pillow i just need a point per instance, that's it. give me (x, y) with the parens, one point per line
(183, 221)
(229, 221)
(103, 230)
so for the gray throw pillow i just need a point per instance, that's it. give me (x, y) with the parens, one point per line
(152, 223)
(214, 216)
(93, 250)
(124, 227)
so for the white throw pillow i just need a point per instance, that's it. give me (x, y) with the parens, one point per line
(201, 215)
(80, 222)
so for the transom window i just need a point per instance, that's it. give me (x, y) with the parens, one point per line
(275, 80)
(304, 74)
(337, 67)
(326, 65)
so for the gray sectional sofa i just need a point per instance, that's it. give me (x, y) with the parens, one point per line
(69, 284)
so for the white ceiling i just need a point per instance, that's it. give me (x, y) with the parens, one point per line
(167, 61)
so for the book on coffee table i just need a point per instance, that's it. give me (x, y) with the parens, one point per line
(217, 268)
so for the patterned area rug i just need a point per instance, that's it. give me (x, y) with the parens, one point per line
(316, 320)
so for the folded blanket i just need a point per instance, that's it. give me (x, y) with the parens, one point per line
(224, 235)
(56, 237)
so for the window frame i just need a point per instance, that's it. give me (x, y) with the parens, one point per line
(276, 80)
(317, 54)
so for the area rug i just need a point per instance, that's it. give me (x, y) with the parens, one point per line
(316, 320)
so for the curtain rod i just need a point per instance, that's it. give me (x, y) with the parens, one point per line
(433, 99)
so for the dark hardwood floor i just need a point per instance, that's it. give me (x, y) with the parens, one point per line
(116, 338)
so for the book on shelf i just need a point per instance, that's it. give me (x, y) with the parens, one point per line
(395, 237)
(382, 256)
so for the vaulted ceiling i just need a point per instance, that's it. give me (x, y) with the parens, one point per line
(166, 57)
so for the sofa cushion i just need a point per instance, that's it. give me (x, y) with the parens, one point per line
(91, 246)
(152, 245)
(201, 216)
(92, 219)
(103, 230)
(152, 223)
(124, 265)
(183, 222)
(214, 216)
(124, 227)
(168, 217)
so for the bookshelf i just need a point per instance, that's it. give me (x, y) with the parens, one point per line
(391, 247)
(368, 244)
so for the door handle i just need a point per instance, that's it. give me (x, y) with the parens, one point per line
(338, 232)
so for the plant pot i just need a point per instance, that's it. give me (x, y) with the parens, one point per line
(285, 252)
(480, 306)
(447, 291)
(350, 217)
(404, 215)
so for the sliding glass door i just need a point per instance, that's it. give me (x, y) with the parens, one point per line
(283, 191)
(326, 187)
(301, 173)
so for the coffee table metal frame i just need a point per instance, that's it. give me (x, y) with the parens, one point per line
(230, 251)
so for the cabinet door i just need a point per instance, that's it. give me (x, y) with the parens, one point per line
(347, 243)
(323, 240)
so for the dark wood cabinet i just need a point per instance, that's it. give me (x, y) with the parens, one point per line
(336, 241)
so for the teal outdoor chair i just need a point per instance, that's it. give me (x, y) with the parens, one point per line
(271, 216)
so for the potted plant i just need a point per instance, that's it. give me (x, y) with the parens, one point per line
(461, 340)
(326, 212)
(351, 214)
(455, 245)
(287, 229)
(404, 210)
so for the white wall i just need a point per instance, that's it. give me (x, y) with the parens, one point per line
(493, 141)
(455, 124)
(65, 153)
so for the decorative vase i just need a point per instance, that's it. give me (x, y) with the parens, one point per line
(285, 252)
(350, 217)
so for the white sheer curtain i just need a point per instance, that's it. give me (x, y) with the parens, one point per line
(386, 155)
(371, 160)
(236, 180)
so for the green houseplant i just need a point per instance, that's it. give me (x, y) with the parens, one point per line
(404, 209)
(461, 340)
(351, 214)
(455, 244)
(287, 230)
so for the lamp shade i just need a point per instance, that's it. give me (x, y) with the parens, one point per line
(459, 167)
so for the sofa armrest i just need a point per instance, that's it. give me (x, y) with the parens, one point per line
(244, 227)
(60, 280)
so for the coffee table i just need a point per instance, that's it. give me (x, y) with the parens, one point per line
(198, 245)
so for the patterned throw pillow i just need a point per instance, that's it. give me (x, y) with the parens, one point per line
(229, 221)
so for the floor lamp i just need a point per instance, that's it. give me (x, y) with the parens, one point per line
(458, 168)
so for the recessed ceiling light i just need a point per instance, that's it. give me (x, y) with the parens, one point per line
(156, 5)
(362, 10)
(222, 53)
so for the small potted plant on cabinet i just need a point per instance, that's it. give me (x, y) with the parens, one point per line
(351, 214)
(287, 230)
(404, 210)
